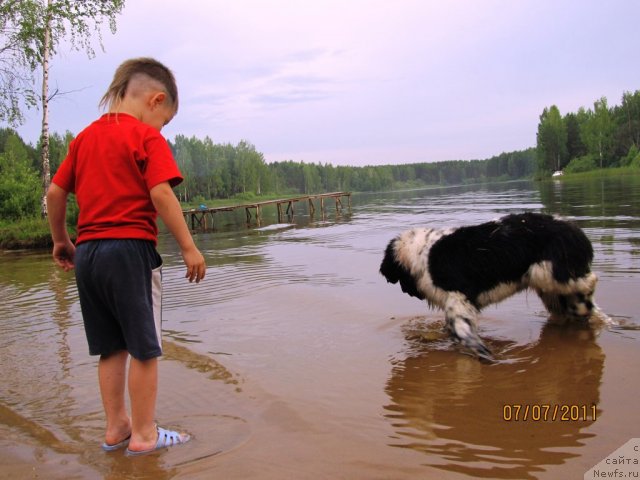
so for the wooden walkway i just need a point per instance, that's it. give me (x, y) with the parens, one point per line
(202, 218)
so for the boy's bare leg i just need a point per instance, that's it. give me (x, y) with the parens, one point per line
(143, 390)
(112, 376)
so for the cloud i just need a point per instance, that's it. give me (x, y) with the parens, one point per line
(428, 80)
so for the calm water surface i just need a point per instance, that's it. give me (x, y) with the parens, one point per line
(294, 358)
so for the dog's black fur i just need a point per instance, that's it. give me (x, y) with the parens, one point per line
(462, 270)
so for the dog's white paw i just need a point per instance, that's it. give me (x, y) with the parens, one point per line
(463, 331)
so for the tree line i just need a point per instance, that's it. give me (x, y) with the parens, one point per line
(598, 137)
(214, 170)
(584, 140)
(224, 170)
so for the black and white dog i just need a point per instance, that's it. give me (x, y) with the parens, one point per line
(462, 270)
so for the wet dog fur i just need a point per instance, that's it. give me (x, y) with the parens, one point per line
(462, 270)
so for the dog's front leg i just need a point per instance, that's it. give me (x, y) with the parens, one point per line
(461, 316)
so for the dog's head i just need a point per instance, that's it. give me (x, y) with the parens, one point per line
(579, 304)
(574, 303)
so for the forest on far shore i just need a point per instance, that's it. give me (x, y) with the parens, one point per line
(588, 139)
(212, 171)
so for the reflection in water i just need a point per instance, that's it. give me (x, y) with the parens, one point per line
(453, 407)
(594, 200)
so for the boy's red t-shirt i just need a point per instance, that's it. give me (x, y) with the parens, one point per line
(111, 167)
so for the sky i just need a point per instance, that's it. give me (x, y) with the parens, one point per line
(363, 82)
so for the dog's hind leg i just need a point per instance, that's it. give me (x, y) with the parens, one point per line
(460, 316)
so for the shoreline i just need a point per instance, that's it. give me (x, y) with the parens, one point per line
(32, 245)
(33, 233)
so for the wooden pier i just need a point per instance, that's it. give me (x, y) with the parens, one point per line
(202, 219)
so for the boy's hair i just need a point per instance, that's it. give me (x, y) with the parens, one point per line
(147, 67)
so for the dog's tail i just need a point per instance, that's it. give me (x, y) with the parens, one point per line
(395, 272)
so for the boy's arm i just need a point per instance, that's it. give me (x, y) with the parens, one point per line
(63, 248)
(168, 207)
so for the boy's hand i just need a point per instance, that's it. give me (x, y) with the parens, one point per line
(63, 254)
(196, 267)
(169, 209)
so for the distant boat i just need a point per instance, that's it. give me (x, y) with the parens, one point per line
(557, 173)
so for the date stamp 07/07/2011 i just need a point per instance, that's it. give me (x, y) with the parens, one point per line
(523, 412)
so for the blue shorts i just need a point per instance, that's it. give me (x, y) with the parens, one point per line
(120, 287)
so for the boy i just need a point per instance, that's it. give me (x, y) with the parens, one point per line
(122, 173)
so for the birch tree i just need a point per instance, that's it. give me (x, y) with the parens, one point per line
(32, 32)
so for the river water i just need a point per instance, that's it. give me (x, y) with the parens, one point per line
(295, 359)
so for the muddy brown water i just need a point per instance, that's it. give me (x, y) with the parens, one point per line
(295, 359)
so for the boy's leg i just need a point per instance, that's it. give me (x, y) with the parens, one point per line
(143, 390)
(112, 375)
